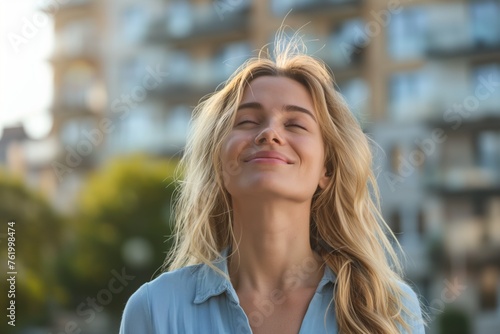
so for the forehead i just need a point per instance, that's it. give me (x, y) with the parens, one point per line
(271, 90)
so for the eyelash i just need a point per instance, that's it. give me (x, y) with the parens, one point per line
(292, 124)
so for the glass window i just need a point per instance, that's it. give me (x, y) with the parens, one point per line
(72, 130)
(76, 38)
(410, 94)
(406, 34)
(347, 42)
(280, 7)
(483, 77)
(357, 94)
(179, 19)
(131, 73)
(485, 16)
(139, 129)
(77, 83)
(134, 22)
(488, 143)
(177, 126)
(230, 57)
(180, 67)
(449, 27)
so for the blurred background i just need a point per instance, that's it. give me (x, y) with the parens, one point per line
(96, 98)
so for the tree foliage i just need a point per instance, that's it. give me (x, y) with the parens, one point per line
(122, 224)
(38, 241)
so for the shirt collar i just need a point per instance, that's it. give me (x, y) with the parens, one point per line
(211, 283)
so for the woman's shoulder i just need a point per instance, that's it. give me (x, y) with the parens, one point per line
(168, 290)
(179, 281)
(410, 298)
(157, 293)
(412, 312)
(172, 278)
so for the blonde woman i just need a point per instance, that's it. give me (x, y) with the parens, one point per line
(278, 225)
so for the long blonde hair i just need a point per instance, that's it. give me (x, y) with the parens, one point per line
(346, 227)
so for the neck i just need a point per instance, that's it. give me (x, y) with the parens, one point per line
(273, 249)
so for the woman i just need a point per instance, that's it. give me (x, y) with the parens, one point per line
(277, 230)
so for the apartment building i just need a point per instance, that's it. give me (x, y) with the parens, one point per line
(80, 93)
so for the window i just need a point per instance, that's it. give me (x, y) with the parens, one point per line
(485, 23)
(406, 34)
(77, 84)
(71, 132)
(180, 68)
(488, 152)
(347, 42)
(410, 95)
(449, 28)
(77, 38)
(482, 77)
(177, 126)
(280, 7)
(179, 19)
(230, 57)
(357, 94)
(134, 23)
(131, 73)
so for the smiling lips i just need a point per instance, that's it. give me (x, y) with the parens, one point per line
(268, 157)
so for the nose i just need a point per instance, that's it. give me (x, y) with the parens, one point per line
(269, 134)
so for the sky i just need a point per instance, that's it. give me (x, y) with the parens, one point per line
(25, 72)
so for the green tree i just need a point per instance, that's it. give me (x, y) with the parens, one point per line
(122, 224)
(454, 321)
(37, 230)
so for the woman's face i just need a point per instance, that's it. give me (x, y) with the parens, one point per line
(276, 115)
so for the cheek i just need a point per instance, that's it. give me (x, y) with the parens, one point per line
(314, 152)
(229, 148)
(234, 149)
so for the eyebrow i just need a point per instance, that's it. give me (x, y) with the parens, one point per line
(287, 107)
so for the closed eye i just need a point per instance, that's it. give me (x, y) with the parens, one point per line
(291, 124)
(246, 122)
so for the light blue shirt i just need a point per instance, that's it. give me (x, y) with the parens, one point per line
(196, 299)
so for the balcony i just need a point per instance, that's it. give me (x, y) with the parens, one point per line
(185, 25)
(77, 40)
(464, 30)
(80, 101)
(315, 6)
(475, 183)
(53, 7)
(475, 52)
(190, 79)
(480, 124)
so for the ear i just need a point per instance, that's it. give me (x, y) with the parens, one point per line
(325, 178)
